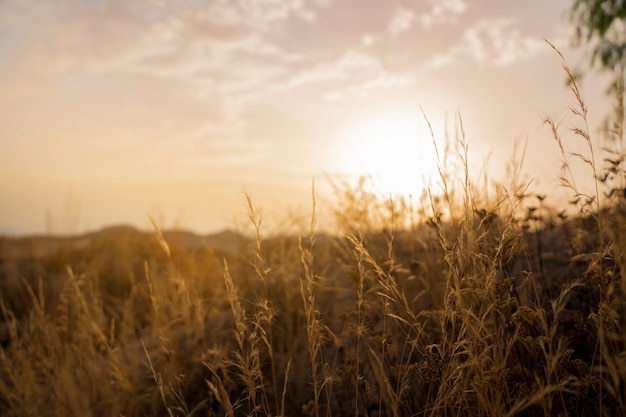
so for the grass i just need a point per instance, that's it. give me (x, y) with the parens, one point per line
(479, 300)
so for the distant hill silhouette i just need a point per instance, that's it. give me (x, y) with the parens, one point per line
(41, 245)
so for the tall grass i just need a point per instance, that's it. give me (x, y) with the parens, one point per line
(477, 299)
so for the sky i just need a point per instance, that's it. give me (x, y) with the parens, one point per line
(113, 111)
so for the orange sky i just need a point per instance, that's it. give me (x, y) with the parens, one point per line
(115, 109)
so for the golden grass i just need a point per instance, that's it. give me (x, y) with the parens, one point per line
(468, 302)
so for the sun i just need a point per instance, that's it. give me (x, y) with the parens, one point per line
(393, 147)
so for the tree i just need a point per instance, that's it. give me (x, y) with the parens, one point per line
(602, 23)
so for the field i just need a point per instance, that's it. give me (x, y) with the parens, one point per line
(477, 299)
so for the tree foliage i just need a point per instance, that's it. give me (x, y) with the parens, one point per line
(602, 23)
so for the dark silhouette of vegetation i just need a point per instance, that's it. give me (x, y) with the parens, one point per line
(601, 23)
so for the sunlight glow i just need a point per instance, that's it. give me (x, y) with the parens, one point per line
(395, 148)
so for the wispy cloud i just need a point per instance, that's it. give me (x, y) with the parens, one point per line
(401, 20)
(231, 55)
(490, 42)
(182, 39)
(221, 52)
(425, 15)
(442, 11)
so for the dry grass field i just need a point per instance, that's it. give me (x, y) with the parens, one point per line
(468, 302)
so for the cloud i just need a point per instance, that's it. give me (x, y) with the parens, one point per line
(221, 52)
(490, 42)
(233, 52)
(401, 21)
(350, 65)
(354, 73)
(157, 38)
(427, 14)
(231, 55)
(441, 11)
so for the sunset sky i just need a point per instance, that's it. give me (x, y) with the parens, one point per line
(112, 110)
